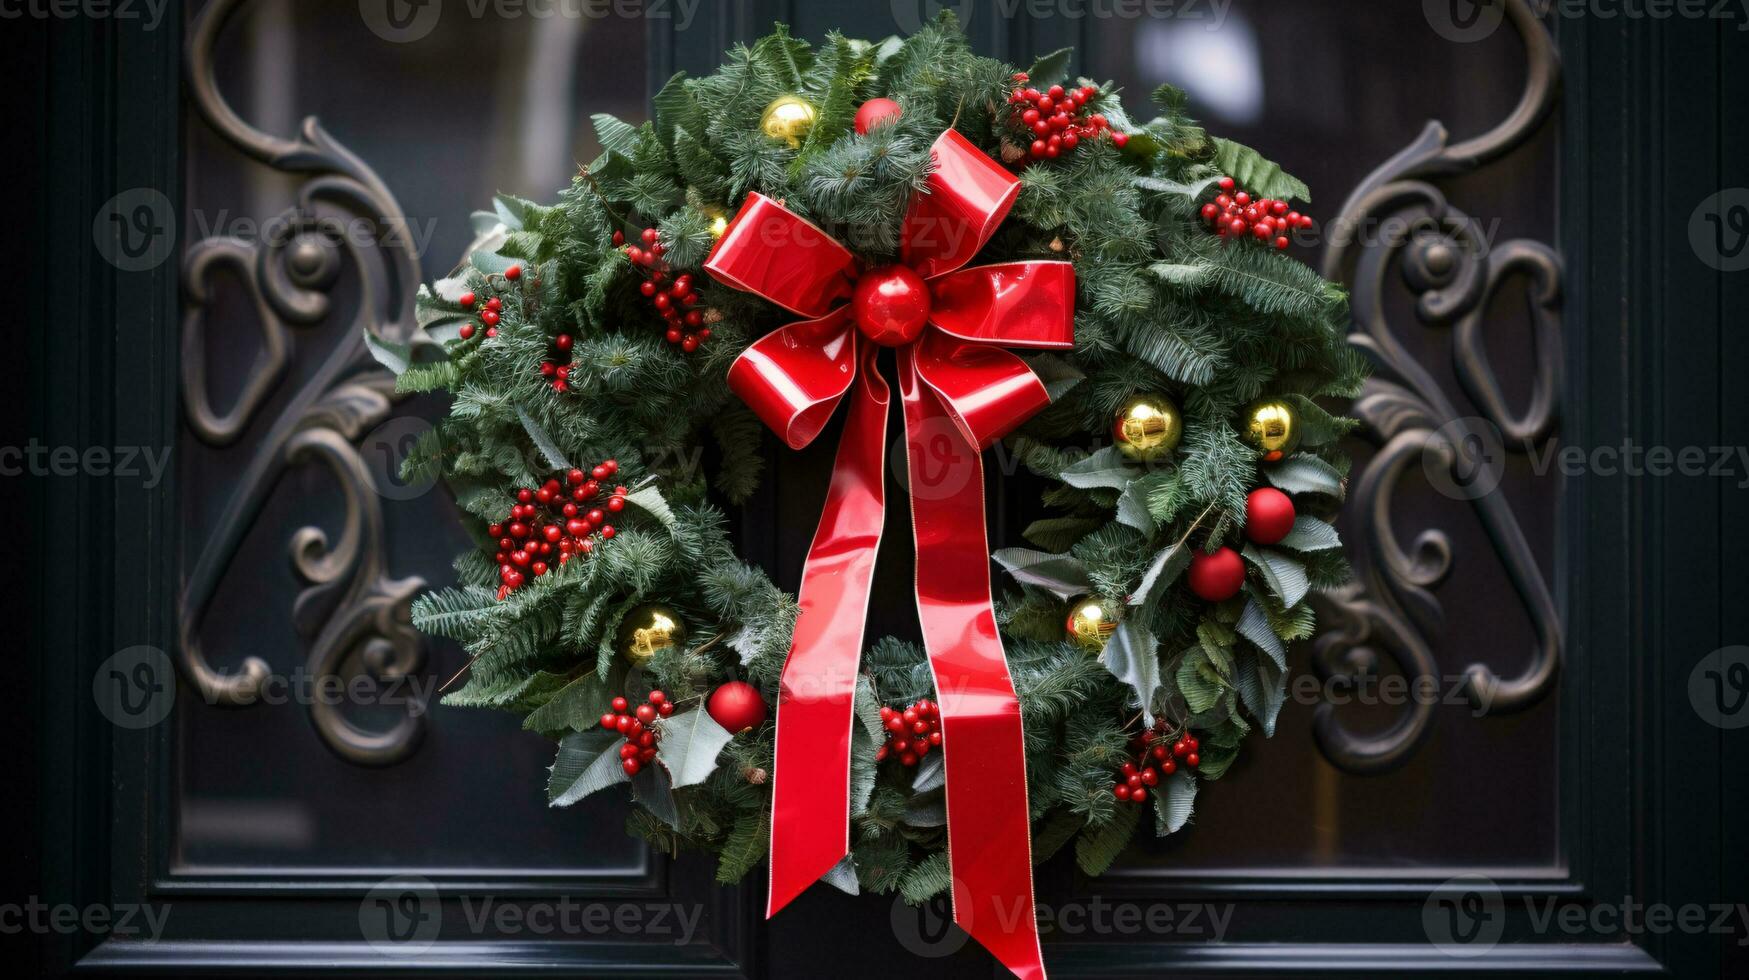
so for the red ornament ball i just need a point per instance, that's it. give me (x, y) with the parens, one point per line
(891, 305)
(737, 706)
(875, 112)
(1269, 515)
(1216, 575)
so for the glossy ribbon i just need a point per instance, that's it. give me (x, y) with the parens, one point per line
(960, 393)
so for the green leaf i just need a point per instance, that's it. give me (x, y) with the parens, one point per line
(616, 135)
(1254, 626)
(1173, 803)
(690, 743)
(1256, 173)
(1285, 576)
(1050, 69)
(1064, 576)
(587, 762)
(1057, 828)
(843, 876)
(1131, 656)
(931, 773)
(1167, 565)
(1132, 508)
(1318, 427)
(1060, 533)
(677, 109)
(1262, 688)
(1105, 468)
(1304, 473)
(1199, 690)
(578, 706)
(650, 501)
(1099, 847)
(650, 787)
(1310, 534)
(549, 449)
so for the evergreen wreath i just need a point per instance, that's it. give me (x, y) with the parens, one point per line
(572, 335)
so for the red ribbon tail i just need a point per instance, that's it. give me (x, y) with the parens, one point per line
(988, 817)
(810, 809)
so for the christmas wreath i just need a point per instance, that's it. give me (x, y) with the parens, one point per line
(742, 262)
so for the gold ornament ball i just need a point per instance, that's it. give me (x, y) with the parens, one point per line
(1148, 428)
(788, 118)
(1090, 624)
(649, 628)
(719, 220)
(1272, 428)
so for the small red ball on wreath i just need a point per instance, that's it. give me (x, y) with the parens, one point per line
(737, 706)
(1269, 515)
(1216, 575)
(876, 112)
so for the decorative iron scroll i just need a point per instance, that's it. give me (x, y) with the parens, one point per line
(1453, 272)
(349, 607)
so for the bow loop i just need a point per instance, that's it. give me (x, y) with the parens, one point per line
(794, 377)
(1016, 304)
(967, 197)
(985, 390)
(772, 252)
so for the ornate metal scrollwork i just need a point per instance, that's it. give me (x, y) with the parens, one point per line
(1453, 272)
(349, 606)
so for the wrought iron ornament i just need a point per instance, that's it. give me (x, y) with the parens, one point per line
(1453, 272)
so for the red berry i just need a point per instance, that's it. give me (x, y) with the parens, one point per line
(563, 342)
(1121, 791)
(619, 705)
(1138, 795)
(513, 273)
(1191, 760)
(631, 766)
(1120, 140)
(1150, 776)
(657, 697)
(467, 300)
(1226, 183)
(467, 331)
(608, 720)
(646, 713)
(665, 709)
(619, 238)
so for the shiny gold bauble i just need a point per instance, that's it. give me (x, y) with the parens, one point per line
(719, 219)
(788, 118)
(649, 628)
(1148, 428)
(1271, 428)
(1090, 624)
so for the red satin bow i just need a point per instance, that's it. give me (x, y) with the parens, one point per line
(960, 394)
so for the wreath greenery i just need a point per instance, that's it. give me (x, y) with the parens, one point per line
(1166, 309)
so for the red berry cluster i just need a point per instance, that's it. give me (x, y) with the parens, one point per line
(911, 733)
(639, 727)
(1153, 762)
(1057, 119)
(533, 533)
(1235, 214)
(674, 299)
(493, 310)
(551, 368)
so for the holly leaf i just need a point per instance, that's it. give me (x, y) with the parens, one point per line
(650, 501)
(1310, 534)
(587, 762)
(616, 135)
(1050, 69)
(1173, 803)
(1130, 656)
(650, 787)
(927, 809)
(1254, 625)
(1199, 690)
(578, 706)
(1064, 576)
(1105, 468)
(931, 773)
(689, 746)
(1303, 473)
(1262, 689)
(1132, 508)
(548, 448)
(843, 876)
(1285, 576)
(1162, 571)
(1258, 174)
(1097, 848)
